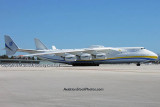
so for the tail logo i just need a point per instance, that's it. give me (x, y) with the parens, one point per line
(10, 43)
(8, 47)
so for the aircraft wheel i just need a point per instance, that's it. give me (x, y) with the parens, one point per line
(138, 64)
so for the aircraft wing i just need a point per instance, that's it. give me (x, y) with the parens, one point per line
(58, 53)
(75, 52)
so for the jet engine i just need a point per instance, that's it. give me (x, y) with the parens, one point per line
(86, 56)
(70, 57)
(101, 56)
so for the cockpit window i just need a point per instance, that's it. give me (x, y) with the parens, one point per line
(135, 49)
(132, 50)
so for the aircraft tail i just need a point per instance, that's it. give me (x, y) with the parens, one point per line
(10, 46)
(40, 45)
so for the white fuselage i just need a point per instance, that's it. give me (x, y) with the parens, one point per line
(102, 56)
(94, 55)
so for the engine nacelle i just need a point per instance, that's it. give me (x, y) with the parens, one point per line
(86, 56)
(101, 56)
(70, 57)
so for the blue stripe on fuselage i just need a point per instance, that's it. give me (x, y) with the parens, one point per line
(118, 59)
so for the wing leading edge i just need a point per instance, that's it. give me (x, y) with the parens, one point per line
(74, 52)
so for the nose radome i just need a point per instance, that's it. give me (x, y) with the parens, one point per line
(151, 54)
(154, 55)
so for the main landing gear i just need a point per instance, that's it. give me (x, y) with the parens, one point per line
(85, 64)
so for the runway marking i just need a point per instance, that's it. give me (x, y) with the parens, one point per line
(118, 70)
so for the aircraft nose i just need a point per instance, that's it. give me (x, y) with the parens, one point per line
(151, 55)
(154, 55)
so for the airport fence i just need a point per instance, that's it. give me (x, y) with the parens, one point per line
(33, 65)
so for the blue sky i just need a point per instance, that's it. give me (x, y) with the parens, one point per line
(81, 23)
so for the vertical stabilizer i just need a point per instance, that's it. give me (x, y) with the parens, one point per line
(10, 46)
(40, 45)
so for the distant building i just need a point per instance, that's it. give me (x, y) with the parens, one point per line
(18, 59)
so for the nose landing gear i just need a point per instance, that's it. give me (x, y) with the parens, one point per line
(138, 64)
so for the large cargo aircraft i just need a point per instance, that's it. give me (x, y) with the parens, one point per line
(92, 56)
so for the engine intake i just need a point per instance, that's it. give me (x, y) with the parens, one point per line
(70, 57)
(101, 56)
(86, 56)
